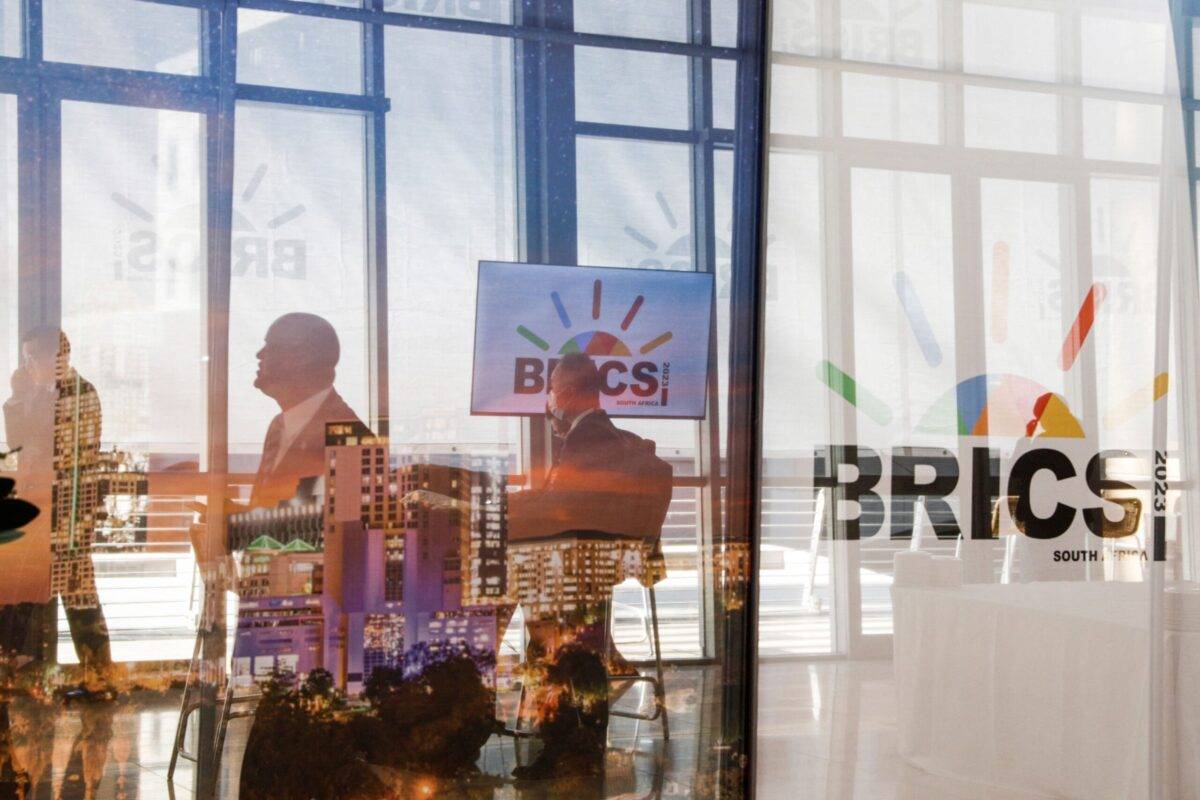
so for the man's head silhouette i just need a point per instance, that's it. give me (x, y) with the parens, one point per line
(298, 359)
(45, 352)
(574, 388)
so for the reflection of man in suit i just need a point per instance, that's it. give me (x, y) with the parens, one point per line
(590, 487)
(54, 416)
(598, 494)
(296, 367)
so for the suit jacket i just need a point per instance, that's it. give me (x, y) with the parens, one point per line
(591, 488)
(278, 476)
(59, 434)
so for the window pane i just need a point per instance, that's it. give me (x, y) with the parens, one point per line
(891, 32)
(127, 34)
(1124, 53)
(794, 27)
(630, 88)
(299, 242)
(1002, 119)
(875, 107)
(1015, 42)
(483, 10)
(451, 204)
(795, 416)
(903, 268)
(901, 224)
(635, 207)
(8, 239)
(795, 104)
(299, 52)
(724, 24)
(1116, 131)
(10, 28)
(1024, 264)
(131, 183)
(645, 19)
(724, 91)
(1125, 230)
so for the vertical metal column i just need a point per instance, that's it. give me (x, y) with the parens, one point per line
(377, 262)
(738, 620)
(708, 430)
(220, 53)
(39, 277)
(546, 180)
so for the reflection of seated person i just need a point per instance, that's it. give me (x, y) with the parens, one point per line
(603, 479)
(606, 495)
(296, 368)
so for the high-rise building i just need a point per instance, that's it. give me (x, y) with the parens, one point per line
(427, 538)
(278, 635)
(76, 493)
(284, 523)
(270, 568)
(383, 642)
(123, 491)
(561, 575)
(485, 546)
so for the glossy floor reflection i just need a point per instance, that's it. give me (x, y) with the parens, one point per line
(828, 730)
(825, 730)
(639, 763)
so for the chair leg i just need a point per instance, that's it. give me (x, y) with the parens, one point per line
(184, 711)
(660, 686)
(223, 726)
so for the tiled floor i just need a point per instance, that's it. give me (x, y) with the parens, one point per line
(826, 730)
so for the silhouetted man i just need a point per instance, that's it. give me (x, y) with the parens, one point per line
(54, 416)
(296, 368)
(603, 502)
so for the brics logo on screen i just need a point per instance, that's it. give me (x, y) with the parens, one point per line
(631, 373)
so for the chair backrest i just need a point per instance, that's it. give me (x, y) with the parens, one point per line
(650, 481)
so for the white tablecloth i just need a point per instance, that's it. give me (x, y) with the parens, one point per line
(1043, 688)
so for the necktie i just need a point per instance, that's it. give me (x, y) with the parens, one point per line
(269, 456)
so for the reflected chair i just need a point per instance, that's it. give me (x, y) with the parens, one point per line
(655, 571)
(1126, 526)
(235, 705)
(620, 684)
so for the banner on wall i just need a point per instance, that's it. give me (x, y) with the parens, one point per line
(647, 331)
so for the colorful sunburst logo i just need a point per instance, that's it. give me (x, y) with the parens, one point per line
(994, 404)
(596, 343)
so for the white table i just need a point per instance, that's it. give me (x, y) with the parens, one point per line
(1042, 688)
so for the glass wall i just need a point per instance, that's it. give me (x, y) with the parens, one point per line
(977, 401)
(680, 397)
(374, 383)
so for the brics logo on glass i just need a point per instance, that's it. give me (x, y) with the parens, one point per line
(624, 369)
